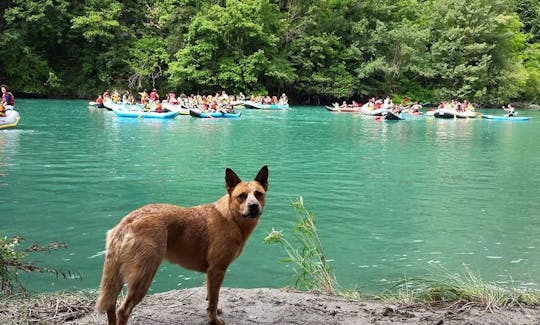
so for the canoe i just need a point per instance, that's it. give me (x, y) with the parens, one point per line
(11, 119)
(451, 113)
(200, 114)
(255, 105)
(343, 110)
(506, 118)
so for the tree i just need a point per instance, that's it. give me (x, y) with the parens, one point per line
(232, 47)
(147, 59)
(529, 13)
(32, 38)
(473, 47)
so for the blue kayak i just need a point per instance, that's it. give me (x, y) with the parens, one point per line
(506, 118)
(144, 114)
(255, 105)
(219, 114)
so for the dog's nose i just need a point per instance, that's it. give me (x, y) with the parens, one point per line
(253, 208)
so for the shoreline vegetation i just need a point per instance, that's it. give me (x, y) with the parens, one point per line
(445, 297)
(315, 51)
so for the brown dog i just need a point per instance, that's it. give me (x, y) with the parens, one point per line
(205, 238)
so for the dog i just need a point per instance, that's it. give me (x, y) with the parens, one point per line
(205, 238)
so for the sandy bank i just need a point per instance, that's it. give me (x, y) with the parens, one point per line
(276, 306)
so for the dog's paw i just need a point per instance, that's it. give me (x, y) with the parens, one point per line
(217, 321)
(219, 311)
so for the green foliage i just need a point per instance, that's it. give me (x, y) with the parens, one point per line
(474, 45)
(529, 13)
(481, 50)
(100, 22)
(13, 261)
(147, 59)
(531, 73)
(307, 254)
(232, 47)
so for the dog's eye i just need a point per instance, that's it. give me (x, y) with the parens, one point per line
(259, 194)
(242, 197)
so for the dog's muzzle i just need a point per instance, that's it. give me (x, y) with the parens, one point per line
(254, 210)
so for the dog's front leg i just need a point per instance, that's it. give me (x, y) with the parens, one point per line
(214, 279)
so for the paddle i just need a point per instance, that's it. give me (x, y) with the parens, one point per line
(405, 100)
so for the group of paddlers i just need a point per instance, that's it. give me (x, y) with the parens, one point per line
(386, 104)
(219, 102)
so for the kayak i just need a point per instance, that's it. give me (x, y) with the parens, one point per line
(120, 111)
(176, 107)
(10, 120)
(201, 114)
(143, 114)
(343, 109)
(371, 111)
(390, 116)
(451, 113)
(96, 104)
(110, 105)
(506, 118)
(255, 105)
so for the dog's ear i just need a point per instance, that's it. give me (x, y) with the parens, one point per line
(262, 177)
(231, 180)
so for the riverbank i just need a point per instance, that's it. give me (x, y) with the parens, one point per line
(259, 306)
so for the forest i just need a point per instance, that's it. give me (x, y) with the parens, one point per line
(486, 51)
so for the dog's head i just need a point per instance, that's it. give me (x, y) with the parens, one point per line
(247, 198)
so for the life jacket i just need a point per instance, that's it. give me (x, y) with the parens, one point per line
(9, 98)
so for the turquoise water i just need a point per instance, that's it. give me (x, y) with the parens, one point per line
(391, 199)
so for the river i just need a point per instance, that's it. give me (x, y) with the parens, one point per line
(392, 200)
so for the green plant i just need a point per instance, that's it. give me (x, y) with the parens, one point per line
(13, 261)
(447, 287)
(312, 269)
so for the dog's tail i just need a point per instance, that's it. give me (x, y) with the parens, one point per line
(111, 280)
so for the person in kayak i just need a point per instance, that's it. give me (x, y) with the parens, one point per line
(510, 110)
(8, 100)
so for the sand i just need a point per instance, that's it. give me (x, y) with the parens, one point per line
(278, 306)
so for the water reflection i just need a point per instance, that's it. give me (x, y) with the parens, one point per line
(9, 145)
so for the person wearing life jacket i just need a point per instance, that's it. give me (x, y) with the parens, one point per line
(8, 100)
(154, 96)
(159, 107)
(99, 102)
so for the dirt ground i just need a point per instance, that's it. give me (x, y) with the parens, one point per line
(277, 306)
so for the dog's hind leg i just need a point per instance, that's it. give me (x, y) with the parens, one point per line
(111, 285)
(111, 315)
(139, 281)
(214, 279)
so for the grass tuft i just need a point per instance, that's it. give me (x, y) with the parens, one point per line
(465, 287)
